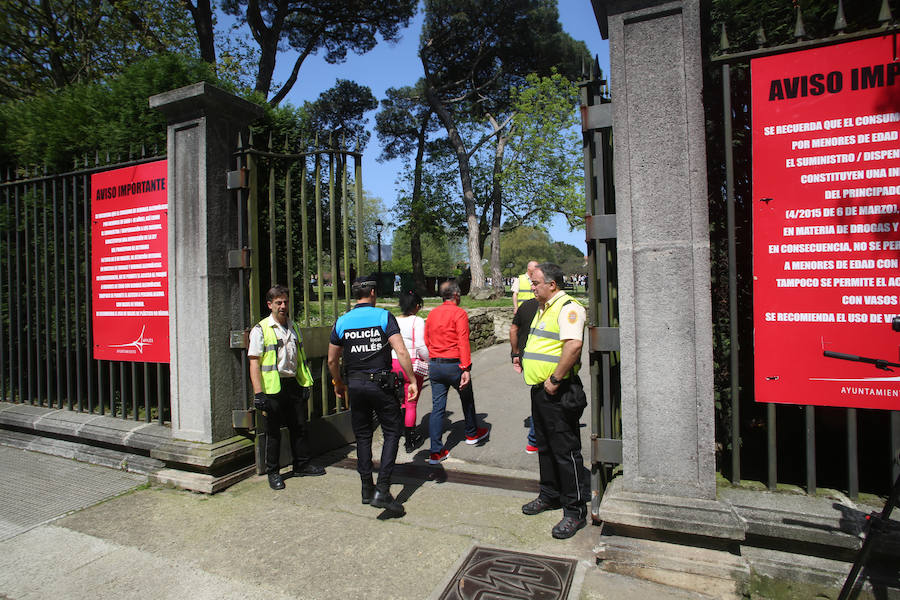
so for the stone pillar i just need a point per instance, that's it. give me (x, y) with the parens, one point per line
(664, 273)
(203, 127)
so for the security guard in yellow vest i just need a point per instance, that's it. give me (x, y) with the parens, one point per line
(550, 363)
(522, 289)
(281, 382)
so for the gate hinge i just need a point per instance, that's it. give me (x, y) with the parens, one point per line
(239, 259)
(237, 180)
(239, 338)
(604, 339)
(598, 116)
(606, 450)
(600, 227)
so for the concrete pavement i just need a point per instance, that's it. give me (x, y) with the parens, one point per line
(312, 540)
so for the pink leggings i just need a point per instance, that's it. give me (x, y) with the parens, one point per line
(409, 405)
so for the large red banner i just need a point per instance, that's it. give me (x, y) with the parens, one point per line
(826, 184)
(129, 261)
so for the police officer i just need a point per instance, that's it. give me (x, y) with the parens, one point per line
(281, 382)
(550, 363)
(363, 337)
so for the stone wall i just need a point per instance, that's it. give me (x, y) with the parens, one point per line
(489, 326)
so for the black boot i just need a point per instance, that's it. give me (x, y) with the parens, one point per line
(368, 490)
(386, 501)
(412, 440)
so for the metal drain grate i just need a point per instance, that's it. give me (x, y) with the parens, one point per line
(507, 575)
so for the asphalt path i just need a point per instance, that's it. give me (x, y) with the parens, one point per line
(503, 403)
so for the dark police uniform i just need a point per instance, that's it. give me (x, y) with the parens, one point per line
(362, 333)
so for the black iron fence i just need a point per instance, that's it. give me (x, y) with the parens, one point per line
(851, 450)
(46, 350)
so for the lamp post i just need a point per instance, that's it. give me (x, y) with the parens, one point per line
(378, 227)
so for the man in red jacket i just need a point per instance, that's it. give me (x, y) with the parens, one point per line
(450, 364)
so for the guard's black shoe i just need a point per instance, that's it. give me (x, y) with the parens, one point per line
(567, 527)
(275, 481)
(368, 490)
(412, 440)
(539, 505)
(308, 470)
(386, 501)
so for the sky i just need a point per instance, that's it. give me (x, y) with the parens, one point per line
(397, 65)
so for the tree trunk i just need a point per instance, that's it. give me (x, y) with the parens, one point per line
(415, 216)
(465, 177)
(202, 15)
(497, 209)
(267, 37)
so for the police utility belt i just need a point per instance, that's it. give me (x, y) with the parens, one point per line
(386, 380)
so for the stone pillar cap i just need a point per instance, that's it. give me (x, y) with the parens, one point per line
(202, 98)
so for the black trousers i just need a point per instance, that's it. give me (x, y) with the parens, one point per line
(563, 477)
(367, 399)
(288, 409)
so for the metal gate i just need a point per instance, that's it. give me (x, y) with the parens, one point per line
(760, 440)
(46, 352)
(275, 190)
(603, 310)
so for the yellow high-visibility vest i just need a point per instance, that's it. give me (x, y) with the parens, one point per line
(525, 292)
(271, 381)
(544, 348)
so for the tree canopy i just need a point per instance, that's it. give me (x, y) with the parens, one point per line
(50, 44)
(306, 27)
(473, 81)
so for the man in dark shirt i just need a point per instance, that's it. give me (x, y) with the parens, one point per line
(518, 336)
(364, 337)
(450, 363)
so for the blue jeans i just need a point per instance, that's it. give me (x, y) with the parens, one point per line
(443, 376)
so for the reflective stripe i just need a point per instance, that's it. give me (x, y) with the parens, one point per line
(544, 357)
(265, 368)
(270, 348)
(553, 335)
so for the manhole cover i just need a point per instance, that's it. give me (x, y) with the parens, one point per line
(502, 574)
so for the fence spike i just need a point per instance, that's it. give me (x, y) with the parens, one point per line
(761, 37)
(885, 17)
(240, 143)
(799, 29)
(840, 23)
(724, 46)
(270, 141)
(595, 68)
(250, 139)
(287, 146)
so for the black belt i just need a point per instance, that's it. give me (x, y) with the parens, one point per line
(363, 376)
(445, 360)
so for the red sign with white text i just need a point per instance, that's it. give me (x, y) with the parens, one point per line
(826, 245)
(129, 264)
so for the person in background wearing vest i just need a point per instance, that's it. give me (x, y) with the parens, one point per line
(522, 289)
(281, 382)
(518, 337)
(550, 363)
(364, 337)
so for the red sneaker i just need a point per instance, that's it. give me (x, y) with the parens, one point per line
(530, 449)
(479, 435)
(436, 457)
